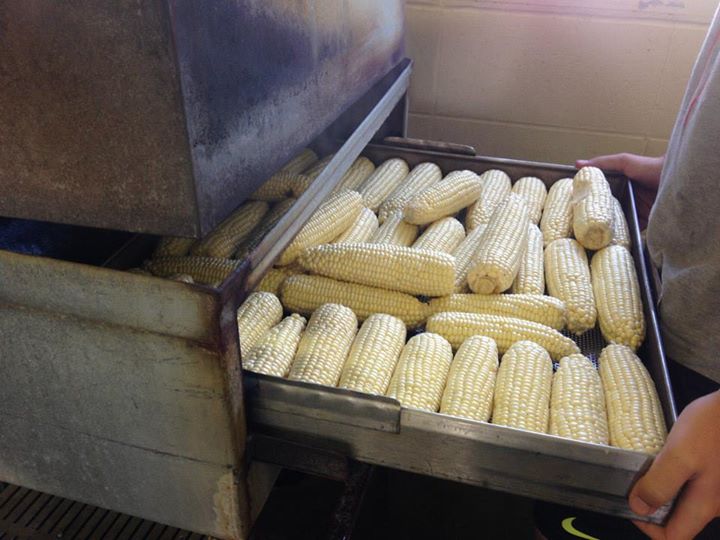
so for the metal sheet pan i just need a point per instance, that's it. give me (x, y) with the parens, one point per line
(377, 430)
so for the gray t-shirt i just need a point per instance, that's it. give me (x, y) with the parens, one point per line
(684, 229)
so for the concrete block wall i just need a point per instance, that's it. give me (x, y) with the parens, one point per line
(551, 80)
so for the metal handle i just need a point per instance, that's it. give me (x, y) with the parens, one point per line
(432, 146)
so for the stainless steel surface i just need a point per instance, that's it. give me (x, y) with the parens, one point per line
(163, 116)
(595, 477)
(424, 144)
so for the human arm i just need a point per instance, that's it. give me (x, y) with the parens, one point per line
(686, 468)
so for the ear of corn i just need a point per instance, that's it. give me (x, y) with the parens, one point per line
(374, 355)
(364, 228)
(381, 183)
(522, 389)
(617, 295)
(303, 161)
(274, 278)
(414, 271)
(453, 193)
(557, 221)
(497, 260)
(577, 403)
(172, 246)
(456, 327)
(593, 210)
(268, 222)
(324, 346)
(496, 187)
(621, 232)
(464, 254)
(420, 376)
(359, 171)
(545, 310)
(316, 170)
(534, 192)
(207, 270)
(530, 278)
(224, 240)
(567, 275)
(258, 313)
(281, 185)
(471, 380)
(444, 235)
(635, 417)
(305, 294)
(275, 351)
(395, 231)
(421, 177)
(334, 217)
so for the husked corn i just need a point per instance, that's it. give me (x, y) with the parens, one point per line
(224, 240)
(324, 346)
(496, 187)
(497, 259)
(522, 388)
(207, 270)
(374, 354)
(381, 183)
(305, 294)
(456, 327)
(617, 296)
(593, 211)
(358, 172)
(317, 169)
(445, 198)
(567, 275)
(422, 370)
(471, 380)
(258, 313)
(395, 231)
(276, 349)
(364, 228)
(531, 307)
(635, 417)
(422, 176)
(464, 254)
(557, 218)
(397, 268)
(303, 161)
(281, 185)
(443, 235)
(577, 403)
(621, 232)
(332, 218)
(534, 192)
(268, 222)
(274, 278)
(530, 278)
(172, 246)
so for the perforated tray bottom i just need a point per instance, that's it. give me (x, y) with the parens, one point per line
(25, 513)
(591, 344)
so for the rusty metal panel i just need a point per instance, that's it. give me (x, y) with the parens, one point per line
(163, 116)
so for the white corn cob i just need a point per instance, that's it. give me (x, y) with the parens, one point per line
(557, 219)
(567, 276)
(303, 161)
(444, 235)
(471, 381)
(456, 327)
(332, 218)
(464, 254)
(522, 388)
(358, 172)
(395, 231)
(530, 278)
(497, 260)
(374, 354)
(172, 246)
(260, 312)
(274, 278)
(305, 294)
(577, 403)
(496, 188)
(276, 349)
(279, 186)
(316, 170)
(324, 346)
(534, 192)
(531, 307)
(224, 240)
(207, 270)
(621, 231)
(421, 177)
(397, 268)
(617, 296)
(364, 228)
(383, 182)
(593, 211)
(445, 198)
(421, 372)
(635, 417)
(268, 222)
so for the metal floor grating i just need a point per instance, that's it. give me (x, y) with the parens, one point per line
(29, 514)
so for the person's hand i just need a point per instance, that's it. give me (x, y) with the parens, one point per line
(687, 465)
(643, 171)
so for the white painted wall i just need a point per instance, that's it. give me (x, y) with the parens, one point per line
(551, 80)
